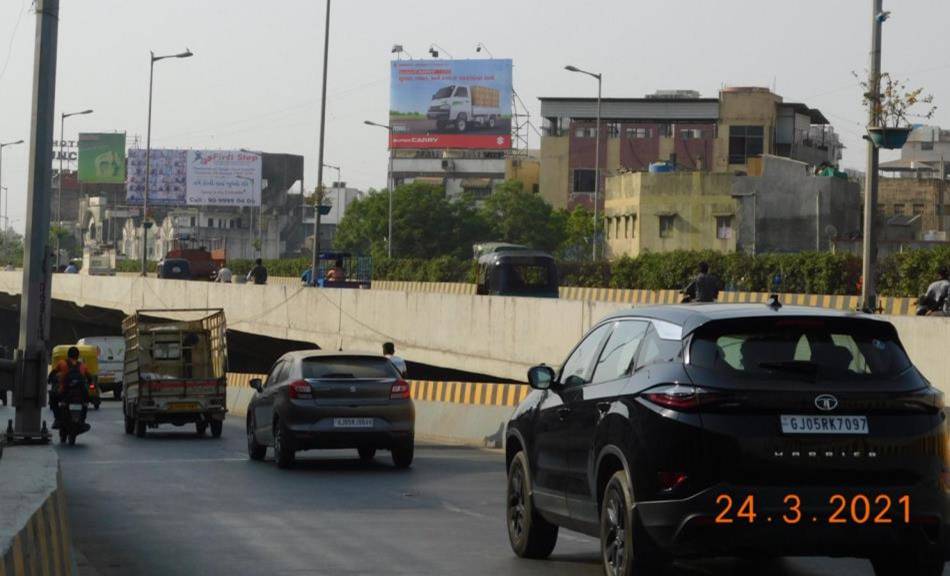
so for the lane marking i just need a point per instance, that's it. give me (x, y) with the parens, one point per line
(154, 462)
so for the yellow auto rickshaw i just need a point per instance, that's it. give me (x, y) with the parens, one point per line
(88, 355)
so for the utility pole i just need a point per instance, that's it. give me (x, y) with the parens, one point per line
(869, 252)
(318, 200)
(29, 394)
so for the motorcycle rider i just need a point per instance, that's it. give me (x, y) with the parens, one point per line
(68, 376)
(937, 297)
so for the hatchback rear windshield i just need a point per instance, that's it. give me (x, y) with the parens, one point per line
(349, 367)
(790, 347)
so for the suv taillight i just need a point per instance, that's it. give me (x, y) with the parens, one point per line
(301, 390)
(684, 398)
(399, 391)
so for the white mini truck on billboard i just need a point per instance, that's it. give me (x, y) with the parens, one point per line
(460, 105)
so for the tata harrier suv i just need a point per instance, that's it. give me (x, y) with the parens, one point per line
(733, 430)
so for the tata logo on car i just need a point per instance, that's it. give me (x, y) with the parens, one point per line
(826, 402)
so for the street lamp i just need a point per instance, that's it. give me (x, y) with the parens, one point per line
(479, 47)
(599, 78)
(148, 150)
(391, 182)
(62, 137)
(398, 50)
(7, 197)
(59, 187)
(435, 53)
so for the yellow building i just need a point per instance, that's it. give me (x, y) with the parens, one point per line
(677, 127)
(525, 168)
(647, 212)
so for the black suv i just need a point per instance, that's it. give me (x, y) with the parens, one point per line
(733, 430)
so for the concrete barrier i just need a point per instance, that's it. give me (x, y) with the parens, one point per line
(34, 524)
(469, 413)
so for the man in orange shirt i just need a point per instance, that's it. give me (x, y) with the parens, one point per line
(68, 375)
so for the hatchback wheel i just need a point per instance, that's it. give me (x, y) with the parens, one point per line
(283, 446)
(626, 549)
(254, 450)
(404, 453)
(530, 535)
(908, 564)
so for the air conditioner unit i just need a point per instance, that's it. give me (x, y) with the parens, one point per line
(448, 164)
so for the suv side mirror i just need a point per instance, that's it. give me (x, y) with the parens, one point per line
(257, 384)
(541, 377)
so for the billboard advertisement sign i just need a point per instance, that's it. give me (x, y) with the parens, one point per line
(195, 178)
(450, 104)
(169, 176)
(102, 158)
(223, 178)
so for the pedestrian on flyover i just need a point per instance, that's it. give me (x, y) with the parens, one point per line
(389, 351)
(224, 275)
(258, 273)
(703, 288)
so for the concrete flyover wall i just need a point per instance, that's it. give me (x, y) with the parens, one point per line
(467, 413)
(497, 336)
(34, 524)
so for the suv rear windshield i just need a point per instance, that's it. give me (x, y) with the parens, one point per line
(349, 367)
(842, 348)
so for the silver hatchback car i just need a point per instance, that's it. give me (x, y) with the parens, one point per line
(327, 400)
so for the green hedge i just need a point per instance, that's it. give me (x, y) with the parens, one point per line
(905, 274)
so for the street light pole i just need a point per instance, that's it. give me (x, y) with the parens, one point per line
(599, 78)
(318, 200)
(869, 251)
(59, 187)
(7, 197)
(148, 151)
(390, 182)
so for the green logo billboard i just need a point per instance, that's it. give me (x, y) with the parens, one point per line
(102, 158)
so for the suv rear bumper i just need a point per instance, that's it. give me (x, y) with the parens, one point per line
(689, 527)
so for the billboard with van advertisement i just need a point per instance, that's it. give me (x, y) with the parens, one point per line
(196, 178)
(451, 104)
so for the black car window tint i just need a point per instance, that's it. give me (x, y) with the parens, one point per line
(352, 367)
(617, 358)
(272, 376)
(578, 367)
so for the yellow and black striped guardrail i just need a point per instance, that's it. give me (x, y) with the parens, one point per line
(474, 393)
(43, 547)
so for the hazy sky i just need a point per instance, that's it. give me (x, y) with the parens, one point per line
(255, 79)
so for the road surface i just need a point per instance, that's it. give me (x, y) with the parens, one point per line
(176, 504)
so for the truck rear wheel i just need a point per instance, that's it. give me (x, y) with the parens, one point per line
(491, 121)
(217, 427)
(129, 423)
(140, 428)
(201, 427)
(461, 123)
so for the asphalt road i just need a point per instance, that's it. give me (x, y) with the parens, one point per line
(176, 504)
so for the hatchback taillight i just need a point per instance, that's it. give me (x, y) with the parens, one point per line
(399, 391)
(301, 390)
(684, 398)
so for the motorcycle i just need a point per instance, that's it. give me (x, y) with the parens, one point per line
(927, 307)
(73, 409)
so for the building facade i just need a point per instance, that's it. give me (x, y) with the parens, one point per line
(678, 127)
(782, 208)
(475, 172)
(925, 155)
(928, 198)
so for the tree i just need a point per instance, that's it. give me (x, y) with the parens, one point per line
(11, 248)
(578, 233)
(425, 224)
(514, 215)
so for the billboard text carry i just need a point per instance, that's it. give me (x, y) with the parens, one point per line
(451, 104)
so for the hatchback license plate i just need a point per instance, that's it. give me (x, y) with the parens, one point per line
(797, 424)
(352, 422)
